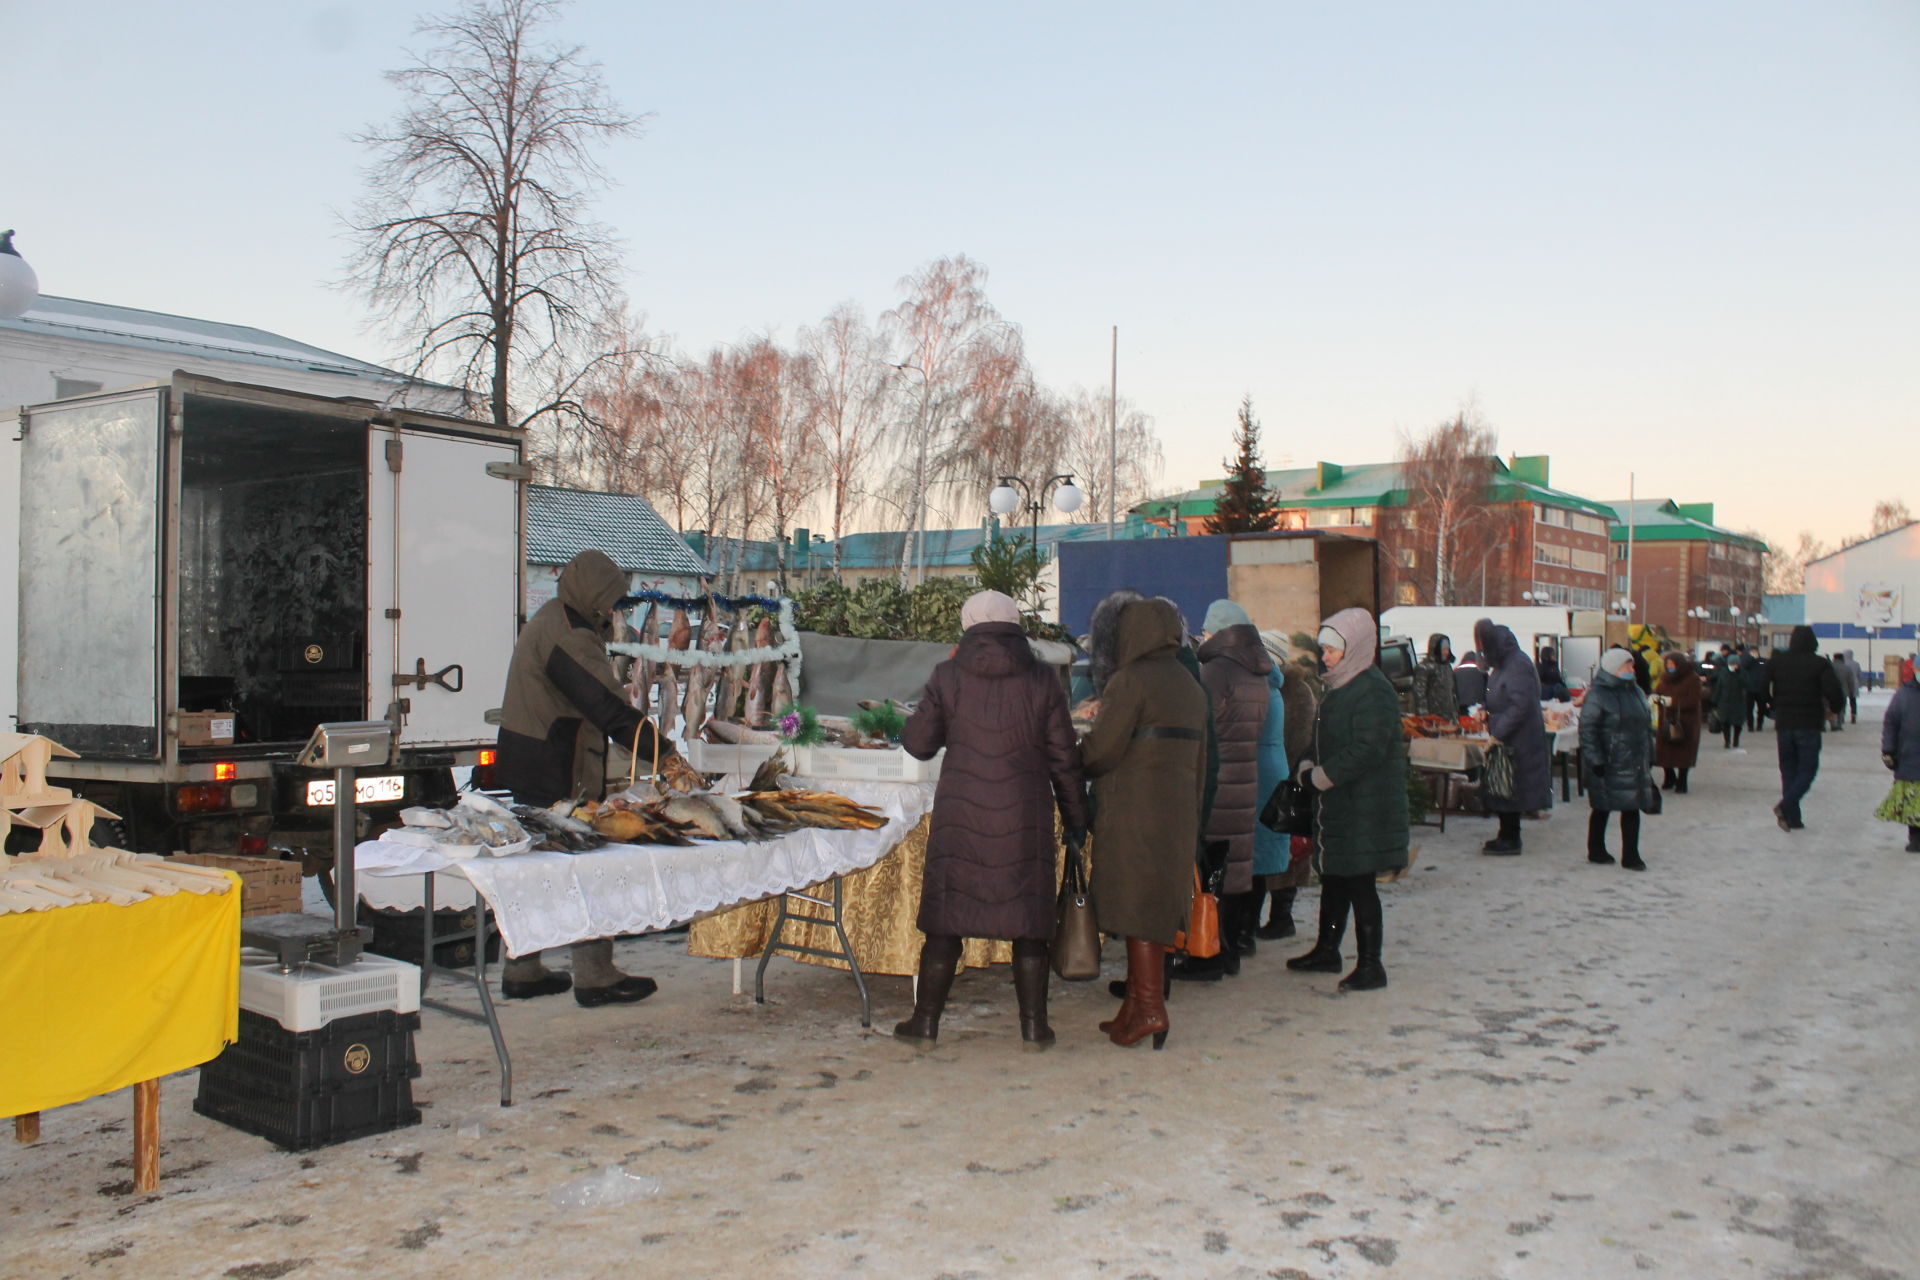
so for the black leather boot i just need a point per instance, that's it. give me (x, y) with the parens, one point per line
(1279, 917)
(1030, 986)
(939, 957)
(1325, 956)
(1368, 973)
(1239, 922)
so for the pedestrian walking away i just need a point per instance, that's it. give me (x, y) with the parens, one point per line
(1434, 690)
(1678, 696)
(1900, 752)
(1359, 770)
(1758, 689)
(1616, 742)
(1805, 694)
(1848, 672)
(1514, 721)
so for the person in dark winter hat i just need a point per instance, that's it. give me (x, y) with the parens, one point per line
(1553, 686)
(1805, 694)
(1433, 685)
(1470, 680)
(1359, 770)
(1616, 741)
(1730, 698)
(1011, 764)
(1678, 696)
(1900, 752)
(1514, 721)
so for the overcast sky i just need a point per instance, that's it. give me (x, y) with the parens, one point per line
(1671, 239)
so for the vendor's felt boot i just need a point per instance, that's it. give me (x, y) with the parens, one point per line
(1325, 956)
(1680, 783)
(1279, 917)
(1913, 839)
(1145, 1011)
(1368, 973)
(525, 977)
(597, 982)
(939, 957)
(1030, 986)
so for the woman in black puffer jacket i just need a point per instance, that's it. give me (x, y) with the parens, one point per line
(1616, 753)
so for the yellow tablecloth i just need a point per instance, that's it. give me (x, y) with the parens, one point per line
(881, 904)
(95, 998)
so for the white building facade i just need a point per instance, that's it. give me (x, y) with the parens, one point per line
(1867, 597)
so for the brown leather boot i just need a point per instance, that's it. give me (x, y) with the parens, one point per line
(1030, 976)
(939, 959)
(1145, 1012)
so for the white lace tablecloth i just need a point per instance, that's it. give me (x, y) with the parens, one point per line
(542, 900)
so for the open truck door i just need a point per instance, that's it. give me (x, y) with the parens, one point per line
(93, 479)
(444, 536)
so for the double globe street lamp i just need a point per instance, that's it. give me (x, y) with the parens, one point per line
(1007, 499)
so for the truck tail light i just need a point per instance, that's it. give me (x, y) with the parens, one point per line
(225, 772)
(253, 846)
(487, 756)
(201, 798)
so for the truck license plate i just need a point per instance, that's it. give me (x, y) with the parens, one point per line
(365, 790)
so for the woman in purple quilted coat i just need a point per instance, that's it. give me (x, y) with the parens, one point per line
(1011, 763)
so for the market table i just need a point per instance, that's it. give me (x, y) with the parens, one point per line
(541, 900)
(97, 997)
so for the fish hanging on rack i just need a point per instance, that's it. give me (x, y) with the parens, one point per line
(732, 679)
(760, 678)
(700, 678)
(640, 677)
(669, 701)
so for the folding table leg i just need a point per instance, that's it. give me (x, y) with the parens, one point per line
(26, 1128)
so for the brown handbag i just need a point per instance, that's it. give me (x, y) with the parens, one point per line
(1076, 936)
(1201, 938)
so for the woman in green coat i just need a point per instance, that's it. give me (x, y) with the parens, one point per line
(1359, 768)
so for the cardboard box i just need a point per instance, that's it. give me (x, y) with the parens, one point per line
(206, 728)
(1442, 753)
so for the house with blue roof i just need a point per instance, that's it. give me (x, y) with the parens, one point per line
(561, 523)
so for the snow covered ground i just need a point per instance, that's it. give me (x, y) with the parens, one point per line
(1705, 1070)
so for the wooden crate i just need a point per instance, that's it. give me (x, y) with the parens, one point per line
(268, 886)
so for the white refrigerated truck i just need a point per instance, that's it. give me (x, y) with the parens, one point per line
(196, 555)
(1575, 633)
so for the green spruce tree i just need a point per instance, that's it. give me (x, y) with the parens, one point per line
(1245, 504)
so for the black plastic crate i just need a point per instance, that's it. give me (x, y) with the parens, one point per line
(396, 935)
(319, 1119)
(306, 1089)
(345, 1051)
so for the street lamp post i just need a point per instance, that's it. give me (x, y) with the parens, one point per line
(1005, 499)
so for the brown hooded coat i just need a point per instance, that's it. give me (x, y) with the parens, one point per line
(1147, 785)
(562, 701)
(1681, 686)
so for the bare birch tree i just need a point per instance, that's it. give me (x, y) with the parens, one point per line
(852, 402)
(1136, 450)
(1446, 474)
(475, 240)
(950, 341)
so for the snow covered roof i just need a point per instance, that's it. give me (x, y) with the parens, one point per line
(561, 523)
(158, 331)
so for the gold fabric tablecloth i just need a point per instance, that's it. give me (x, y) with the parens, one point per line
(879, 908)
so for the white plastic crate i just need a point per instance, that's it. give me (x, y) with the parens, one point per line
(855, 764)
(729, 757)
(308, 998)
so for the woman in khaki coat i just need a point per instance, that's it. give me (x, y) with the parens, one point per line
(1145, 754)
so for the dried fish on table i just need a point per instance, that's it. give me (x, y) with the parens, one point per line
(557, 832)
(815, 809)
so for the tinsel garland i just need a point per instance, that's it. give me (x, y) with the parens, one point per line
(787, 651)
(735, 603)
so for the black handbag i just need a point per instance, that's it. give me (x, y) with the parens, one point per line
(1289, 809)
(1076, 935)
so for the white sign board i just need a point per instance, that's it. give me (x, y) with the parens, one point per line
(1878, 605)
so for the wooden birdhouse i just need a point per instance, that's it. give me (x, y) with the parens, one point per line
(23, 771)
(65, 829)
